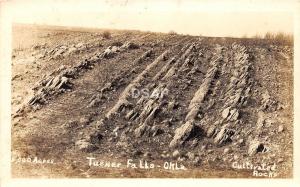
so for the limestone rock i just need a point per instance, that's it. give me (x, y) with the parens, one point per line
(224, 136)
(176, 154)
(85, 146)
(255, 146)
(182, 133)
(280, 128)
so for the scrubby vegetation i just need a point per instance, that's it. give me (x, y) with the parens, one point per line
(172, 32)
(279, 38)
(106, 34)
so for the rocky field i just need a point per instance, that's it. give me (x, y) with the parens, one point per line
(92, 103)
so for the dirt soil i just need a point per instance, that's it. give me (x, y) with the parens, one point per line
(186, 106)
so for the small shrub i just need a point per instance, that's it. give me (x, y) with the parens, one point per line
(269, 36)
(106, 35)
(172, 32)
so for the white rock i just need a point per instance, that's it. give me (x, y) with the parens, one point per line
(176, 153)
(85, 146)
(280, 128)
(226, 150)
(226, 112)
(190, 155)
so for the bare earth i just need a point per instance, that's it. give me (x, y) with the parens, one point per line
(208, 104)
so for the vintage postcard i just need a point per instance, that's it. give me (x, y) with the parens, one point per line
(149, 89)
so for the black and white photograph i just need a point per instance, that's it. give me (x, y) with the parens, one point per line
(150, 89)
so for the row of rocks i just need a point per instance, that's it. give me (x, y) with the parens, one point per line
(111, 51)
(59, 80)
(175, 67)
(150, 106)
(123, 99)
(263, 122)
(145, 114)
(145, 110)
(116, 82)
(184, 131)
(236, 97)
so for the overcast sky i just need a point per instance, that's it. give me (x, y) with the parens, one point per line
(205, 17)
